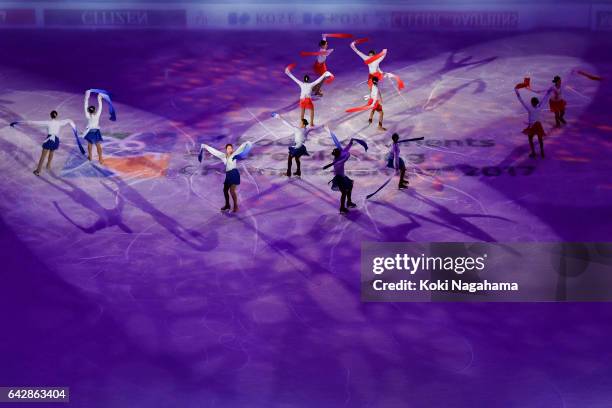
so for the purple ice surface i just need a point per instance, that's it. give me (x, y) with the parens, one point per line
(130, 286)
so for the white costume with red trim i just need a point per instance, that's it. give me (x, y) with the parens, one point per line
(533, 112)
(375, 99)
(374, 66)
(306, 88)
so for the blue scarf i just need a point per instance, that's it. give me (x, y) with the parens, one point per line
(339, 146)
(379, 188)
(410, 140)
(361, 142)
(243, 155)
(76, 136)
(107, 97)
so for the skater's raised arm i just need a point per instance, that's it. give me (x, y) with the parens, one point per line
(213, 151)
(315, 128)
(361, 54)
(545, 99)
(383, 55)
(99, 110)
(348, 147)
(290, 75)
(86, 102)
(321, 78)
(520, 98)
(241, 149)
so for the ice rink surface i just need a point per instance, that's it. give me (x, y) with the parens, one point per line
(127, 283)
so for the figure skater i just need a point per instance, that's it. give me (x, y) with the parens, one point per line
(374, 104)
(306, 91)
(92, 132)
(557, 103)
(299, 148)
(319, 67)
(232, 175)
(534, 127)
(394, 161)
(52, 141)
(372, 60)
(340, 181)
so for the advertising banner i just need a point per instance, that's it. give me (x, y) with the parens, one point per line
(17, 17)
(114, 18)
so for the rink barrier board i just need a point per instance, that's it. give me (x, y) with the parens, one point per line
(306, 17)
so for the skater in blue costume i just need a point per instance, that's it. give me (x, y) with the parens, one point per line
(92, 114)
(299, 148)
(341, 182)
(52, 142)
(232, 175)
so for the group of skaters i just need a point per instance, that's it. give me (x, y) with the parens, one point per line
(554, 96)
(92, 134)
(309, 88)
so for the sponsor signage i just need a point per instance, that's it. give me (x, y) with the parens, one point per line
(455, 20)
(293, 17)
(17, 17)
(318, 17)
(114, 18)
